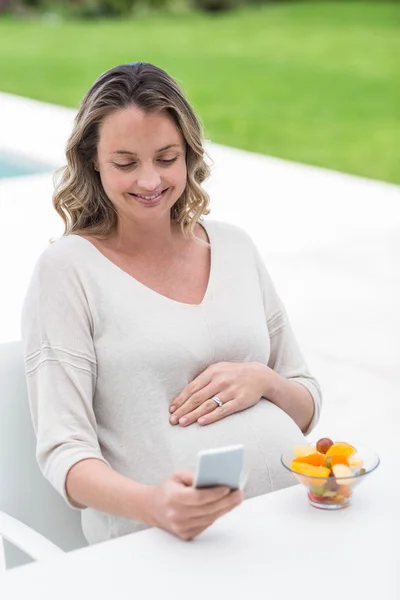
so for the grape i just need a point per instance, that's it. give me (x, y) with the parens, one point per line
(332, 484)
(323, 445)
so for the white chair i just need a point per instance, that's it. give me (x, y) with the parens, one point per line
(30, 542)
(24, 493)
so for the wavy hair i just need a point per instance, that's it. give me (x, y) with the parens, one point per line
(79, 197)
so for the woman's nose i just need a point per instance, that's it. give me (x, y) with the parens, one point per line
(148, 179)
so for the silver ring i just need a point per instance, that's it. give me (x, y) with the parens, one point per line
(217, 400)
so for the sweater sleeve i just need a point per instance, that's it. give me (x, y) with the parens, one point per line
(286, 357)
(61, 368)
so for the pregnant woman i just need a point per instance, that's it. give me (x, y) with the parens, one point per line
(151, 333)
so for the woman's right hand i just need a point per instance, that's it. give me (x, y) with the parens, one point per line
(185, 511)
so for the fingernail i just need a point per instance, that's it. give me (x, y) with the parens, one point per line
(183, 421)
(172, 408)
(173, 420)
(201, 420)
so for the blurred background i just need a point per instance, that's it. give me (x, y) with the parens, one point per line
(312, 82)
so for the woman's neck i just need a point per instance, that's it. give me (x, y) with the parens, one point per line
(149, 239)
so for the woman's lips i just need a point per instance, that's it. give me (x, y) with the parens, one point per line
(149, 200)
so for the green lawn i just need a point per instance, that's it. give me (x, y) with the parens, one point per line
(317, 83)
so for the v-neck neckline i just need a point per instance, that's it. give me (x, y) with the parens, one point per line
(207, 293)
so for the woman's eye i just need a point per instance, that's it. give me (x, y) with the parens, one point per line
(124, 166)
(168, 161)
(163, 161)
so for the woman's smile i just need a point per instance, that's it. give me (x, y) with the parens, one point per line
(149, 200)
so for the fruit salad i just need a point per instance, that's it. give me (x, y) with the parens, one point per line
(335, 463)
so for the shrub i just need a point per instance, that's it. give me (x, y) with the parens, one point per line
(215, 5)
(85, 8)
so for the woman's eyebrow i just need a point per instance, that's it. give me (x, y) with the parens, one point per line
(160, 150)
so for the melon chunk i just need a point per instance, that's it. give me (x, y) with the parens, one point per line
(355, 464)
(303, 451)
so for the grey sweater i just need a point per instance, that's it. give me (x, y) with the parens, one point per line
(105, 355)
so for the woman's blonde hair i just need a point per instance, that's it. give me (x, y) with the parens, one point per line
(79, 197)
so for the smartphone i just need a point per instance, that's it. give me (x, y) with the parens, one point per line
(220, 466)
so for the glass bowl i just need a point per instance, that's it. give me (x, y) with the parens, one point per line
(333, 493)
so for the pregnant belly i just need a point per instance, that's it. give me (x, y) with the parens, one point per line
(264, 430)
(154, 450)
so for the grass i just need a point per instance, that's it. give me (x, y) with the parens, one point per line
(317, 83)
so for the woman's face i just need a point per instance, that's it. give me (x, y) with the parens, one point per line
(142, 164)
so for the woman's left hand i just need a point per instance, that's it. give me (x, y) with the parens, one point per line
(235, 386)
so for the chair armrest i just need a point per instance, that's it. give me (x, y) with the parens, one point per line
(29, 541)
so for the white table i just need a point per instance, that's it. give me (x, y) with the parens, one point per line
(274, 546)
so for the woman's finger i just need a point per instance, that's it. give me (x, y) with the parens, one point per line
(234, 498)
(200, 382)
(195, 402)
(218, 510)
(220, 412)
(201, 497)
(205, 408)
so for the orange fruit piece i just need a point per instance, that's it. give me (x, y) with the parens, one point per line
(341, 449)
(316, 459)
(303, 451)
(338, 459)
(312, 470)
